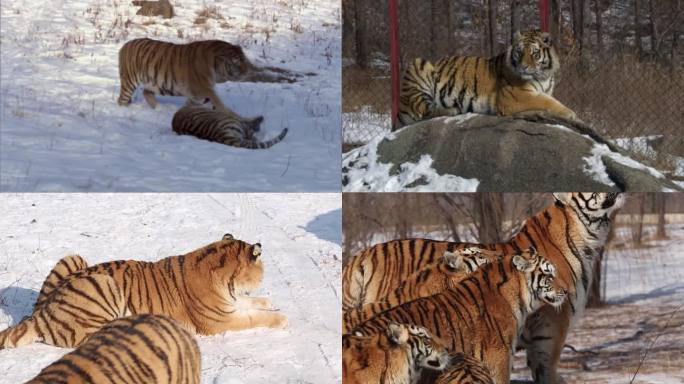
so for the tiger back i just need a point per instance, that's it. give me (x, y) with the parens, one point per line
(499, 295)
(132, 350)
(374, 273)
(436, 277)
(519, 80)
(397, 355)
(70, 313)
(216, 126)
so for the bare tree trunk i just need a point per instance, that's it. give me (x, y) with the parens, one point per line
(594, 298)
(449, 9)
(577, 7)
(599, 25)
(660, 204)
(448, 206)
(638, 227)
(676, 8)
(515, 17)
(434, 35)
(491, 16)
(348, 28)
(361, 34)
(555, 21)
(652, 25)
(489, 207)
(637, 29)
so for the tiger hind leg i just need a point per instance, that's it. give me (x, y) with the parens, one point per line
(127, 89)
(150, 98)
(77, 309)
(65, 266)
(21, 334)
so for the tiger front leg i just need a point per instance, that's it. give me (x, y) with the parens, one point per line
(543, 339)
(256, 302)
(244, 319)
(517, 101)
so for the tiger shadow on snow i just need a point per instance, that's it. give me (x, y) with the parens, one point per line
(17, 302)
(327, 226)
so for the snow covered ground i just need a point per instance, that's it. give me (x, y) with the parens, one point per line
(300, 234)
(362, 172)
(62, 130)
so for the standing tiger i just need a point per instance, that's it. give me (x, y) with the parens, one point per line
(518, 80)
(139, 349)
(214, 125)
(436, 277)
(484, 314)
(361, 287)
(570, 233)
(204, 290)
(191, 70)
(397, 355)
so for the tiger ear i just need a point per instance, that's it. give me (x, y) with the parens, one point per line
(523, 264)
(256, 251)
(563, 197)
(453, 260)
(227, 236)
(517, 36)
(397, 333)
(546, 39)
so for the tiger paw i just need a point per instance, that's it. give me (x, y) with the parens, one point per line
(280, 321)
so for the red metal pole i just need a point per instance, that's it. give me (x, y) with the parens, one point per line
(544, 15)
(394, 58)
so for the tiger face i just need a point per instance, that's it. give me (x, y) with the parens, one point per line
(427, 352)
(247, 272)
(532, 56)
(542, 277)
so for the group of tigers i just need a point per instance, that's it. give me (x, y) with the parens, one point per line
(517, 82)
(430, 311)
(193, 70)
(133, 321)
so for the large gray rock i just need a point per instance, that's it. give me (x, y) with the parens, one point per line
(505, 154)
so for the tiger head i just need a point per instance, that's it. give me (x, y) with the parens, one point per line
(532, 55)
(230, 62)
(426, 351)
(541, 278)
(593, 205)
(236, 265)
(466, 260)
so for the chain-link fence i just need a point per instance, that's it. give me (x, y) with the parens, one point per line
(631, 90)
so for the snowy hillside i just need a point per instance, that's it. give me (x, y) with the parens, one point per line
(301, 253)
(62, 129)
